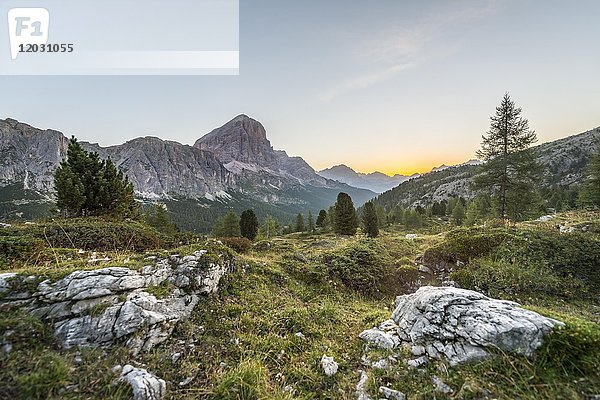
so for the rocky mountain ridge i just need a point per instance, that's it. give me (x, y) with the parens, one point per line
(233, 166)
(563, 162)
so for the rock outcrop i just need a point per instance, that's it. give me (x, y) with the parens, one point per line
(145, 385)
(103, 306)
(460, 325)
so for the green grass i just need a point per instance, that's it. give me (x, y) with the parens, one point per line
(242, 343)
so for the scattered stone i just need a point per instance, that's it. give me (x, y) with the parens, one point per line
(145, 385)
(186, 381)
(424, 269)
(545, 218)
(117, 368)
(391, 393)
(6, 348)
(300, 335)
(288, 389)
(411, 236)
(380, 338)
(440, 386)
(417, 362)
(5, 281)
(459, 325)
(3, 225)
(361, 386)
(566, 229)
(329, 366)
(175, 357)
(384, 363)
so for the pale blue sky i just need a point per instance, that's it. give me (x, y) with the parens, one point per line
(396, 86)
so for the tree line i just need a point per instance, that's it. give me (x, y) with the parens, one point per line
(86, 185)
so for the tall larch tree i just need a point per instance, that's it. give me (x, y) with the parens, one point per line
(510, 172)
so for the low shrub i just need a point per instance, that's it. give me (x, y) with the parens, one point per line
(239, 244)
(499, 278)
(98, 234)
(363, 266)
(466, 244)
(16, 245)
(573, 349)
(566, 255)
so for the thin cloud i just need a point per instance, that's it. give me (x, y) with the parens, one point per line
(391, 51)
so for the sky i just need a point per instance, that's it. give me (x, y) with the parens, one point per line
(388, 85)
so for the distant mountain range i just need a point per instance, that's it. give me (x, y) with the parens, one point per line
(563, 162)
(233, 166)
(377, 182)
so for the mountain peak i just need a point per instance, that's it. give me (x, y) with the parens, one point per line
(376, 181)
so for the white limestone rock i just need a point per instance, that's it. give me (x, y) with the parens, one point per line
(361, 387)
(459, 325)
(99, 307)
(391, 393)
(329, 366)
(380, 338)
(145, 385)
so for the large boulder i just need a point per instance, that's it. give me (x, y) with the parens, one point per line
(460, 325)
(102, 306)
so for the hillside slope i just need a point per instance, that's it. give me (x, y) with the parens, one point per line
(563, 164)
(197, 183)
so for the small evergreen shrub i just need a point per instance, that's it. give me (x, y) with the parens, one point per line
(566, 255)
(239, 244)
(499, 278)
(98, 234)
(467, 244)
(362, 266)
(16, 245)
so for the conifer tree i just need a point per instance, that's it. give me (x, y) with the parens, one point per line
(345, 220)
(249, 225)
(370, 220)
(311, 222)
(590, 195)
(158, 217)
(86, 185)
(300, 223)
(510, 171)
(478, 209)
(227, 226)
(270, 228)
(458, 213)
(322, 219)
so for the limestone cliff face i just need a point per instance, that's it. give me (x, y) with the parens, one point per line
(242, 146)
(29, 155)
(156, 167)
